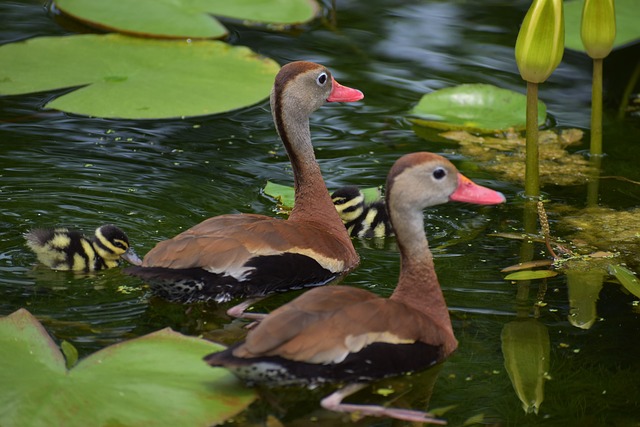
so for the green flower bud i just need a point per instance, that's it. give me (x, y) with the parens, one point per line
(540, 42)
(598, 30)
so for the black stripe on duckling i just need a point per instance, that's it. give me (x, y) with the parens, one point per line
(66, 249)
(364, 220)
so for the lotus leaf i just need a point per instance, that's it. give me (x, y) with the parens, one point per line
(155, 380)
(185, 18)
(117, 76)
(480, 108)
(531, 275)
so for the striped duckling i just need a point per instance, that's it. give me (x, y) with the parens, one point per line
(65, 249)
(362, 219)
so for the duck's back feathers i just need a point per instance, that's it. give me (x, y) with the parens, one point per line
(61, 248)
(66, 249)
(337, 334)
(243, 255)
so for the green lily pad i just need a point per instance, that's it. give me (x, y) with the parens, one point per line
(185, 18)
(627, 28)
(531, 275)
(127, 77)
(155, 380)
(285, 195)
(480, 108)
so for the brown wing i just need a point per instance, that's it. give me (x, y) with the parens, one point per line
(324, 325)
(225, 243)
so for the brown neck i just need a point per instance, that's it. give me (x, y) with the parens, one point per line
(312, 199)
(418, 285)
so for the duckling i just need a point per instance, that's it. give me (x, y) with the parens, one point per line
(65, 249)
(362, 219)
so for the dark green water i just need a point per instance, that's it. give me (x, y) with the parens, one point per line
(157, 178)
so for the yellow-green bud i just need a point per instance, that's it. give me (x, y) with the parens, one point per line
(540, 42)
(598, 30)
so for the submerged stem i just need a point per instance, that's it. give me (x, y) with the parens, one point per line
(596, 108)
(532, 176)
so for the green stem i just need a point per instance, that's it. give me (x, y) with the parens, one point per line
(627, 91)
(531, 177)
(596, 109)
(593, 185)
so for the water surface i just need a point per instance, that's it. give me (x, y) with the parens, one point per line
(156, 178)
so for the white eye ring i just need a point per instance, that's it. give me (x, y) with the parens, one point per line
(322, 79)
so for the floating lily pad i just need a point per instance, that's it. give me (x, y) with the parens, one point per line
(531, 275)
(117, 76)
(480, 108)
(185, 18)
(155, 380)
(285, 195)
(627, 28)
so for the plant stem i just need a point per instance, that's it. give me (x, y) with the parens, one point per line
(593, 185)
(596, 109)
(532, 176)
(627, 91)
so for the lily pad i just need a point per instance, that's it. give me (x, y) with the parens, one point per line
(155, 380)
(479, 108)
(117, 76)
(627, 28)
(285, 195)
(531, 275)
(185, 18)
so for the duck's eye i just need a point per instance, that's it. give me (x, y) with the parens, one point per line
(439, 173)
(322, 79)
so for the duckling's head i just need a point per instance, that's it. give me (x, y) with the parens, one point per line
(110, 242)
(349, 202)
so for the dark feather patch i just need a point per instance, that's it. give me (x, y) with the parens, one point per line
(272, 273)
(376, 361)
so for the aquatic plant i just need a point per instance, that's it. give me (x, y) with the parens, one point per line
(539, 49)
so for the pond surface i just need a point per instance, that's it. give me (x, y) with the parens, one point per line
(157, 178)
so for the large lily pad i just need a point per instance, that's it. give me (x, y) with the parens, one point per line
(128, 77)
(480, 108)
(155, 380)
(185, 18)
(627, 28)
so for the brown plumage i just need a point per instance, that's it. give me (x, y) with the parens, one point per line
(247, 256)
(350, 335)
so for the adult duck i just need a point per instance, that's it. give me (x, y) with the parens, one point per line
(349, 335)
(248, 255)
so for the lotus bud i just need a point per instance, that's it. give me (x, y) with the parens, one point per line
(540, 42)
(598, 30)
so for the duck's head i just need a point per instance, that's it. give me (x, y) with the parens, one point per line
(304, 87)
(349, 202)
(110, 242)
(419, 180)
